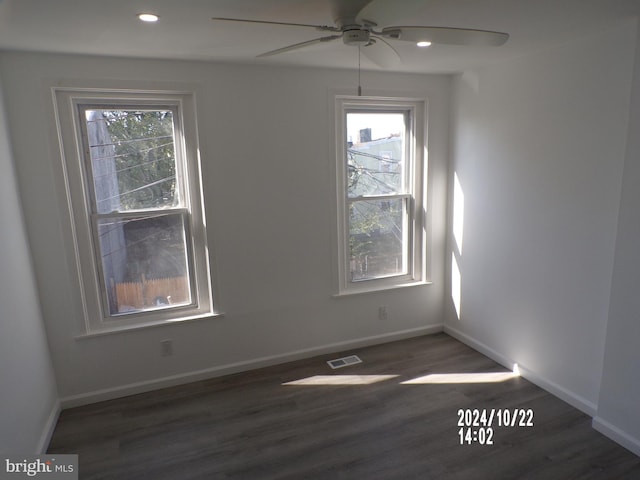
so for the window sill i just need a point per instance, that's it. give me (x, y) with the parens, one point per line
(380, 288)
(141, 326)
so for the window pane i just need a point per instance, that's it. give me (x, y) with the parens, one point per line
(132, 159)
(144, 262)
(375, 153)
(377, 238)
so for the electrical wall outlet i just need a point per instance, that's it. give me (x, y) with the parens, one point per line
(166, 348)
(383, 314)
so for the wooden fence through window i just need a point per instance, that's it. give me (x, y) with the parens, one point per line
(152, 292)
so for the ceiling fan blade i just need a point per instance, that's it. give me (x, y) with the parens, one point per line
(265, 22)
(296, 46)
(382, 53)
(345, 12)
(447, 36)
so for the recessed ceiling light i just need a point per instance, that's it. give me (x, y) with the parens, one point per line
(148, 17)
(423, 44)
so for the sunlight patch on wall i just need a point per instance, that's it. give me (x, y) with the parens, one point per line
(458, 212)
(456, 255)
(341, 380)
(440, 378)
(456, 284)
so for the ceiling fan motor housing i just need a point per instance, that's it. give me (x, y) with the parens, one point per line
(357, 37)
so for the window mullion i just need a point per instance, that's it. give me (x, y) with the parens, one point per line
(141, 213)
(378, 197)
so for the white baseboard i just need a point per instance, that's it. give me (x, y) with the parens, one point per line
(617, 435)
(173, 380)
(562, 393)
(48, 429)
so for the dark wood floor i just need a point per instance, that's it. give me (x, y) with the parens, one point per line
(251, 426)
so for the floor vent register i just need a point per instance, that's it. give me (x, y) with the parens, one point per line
(344, 361)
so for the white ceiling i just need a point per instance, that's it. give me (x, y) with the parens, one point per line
(186, 31)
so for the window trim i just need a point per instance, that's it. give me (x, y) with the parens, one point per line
(67, 103)
(416, 190)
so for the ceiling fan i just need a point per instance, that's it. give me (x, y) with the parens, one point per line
(356, 31)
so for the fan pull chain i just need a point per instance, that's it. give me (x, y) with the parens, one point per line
(359, 85)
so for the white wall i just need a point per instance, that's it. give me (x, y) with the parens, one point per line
(269, 193)
(539, 146)
(28, 396)
(619, 404)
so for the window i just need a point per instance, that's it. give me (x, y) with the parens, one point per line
(133, 184)
(380, 178)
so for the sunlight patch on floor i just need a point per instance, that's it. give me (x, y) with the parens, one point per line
(341, 380)
(488, 377)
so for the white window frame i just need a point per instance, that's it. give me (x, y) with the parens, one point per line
(415, 195)
(68, 104)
